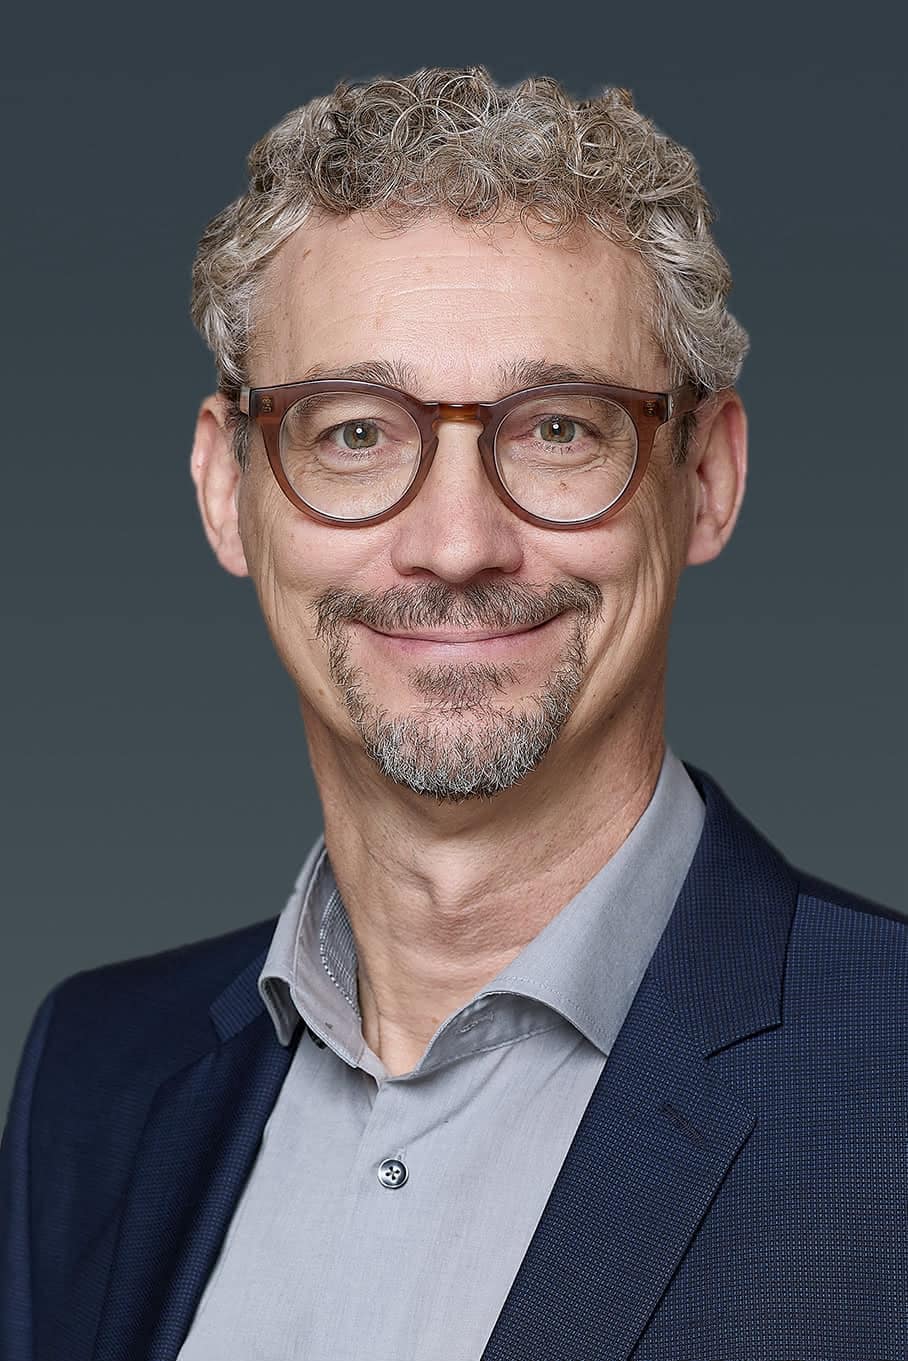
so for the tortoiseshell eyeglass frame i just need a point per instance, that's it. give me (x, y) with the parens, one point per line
(267, 406)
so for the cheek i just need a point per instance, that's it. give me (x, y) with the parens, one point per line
(635, 560)
(624, 553)
(292, 561)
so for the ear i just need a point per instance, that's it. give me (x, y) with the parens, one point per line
(216, 475)
(720, 470)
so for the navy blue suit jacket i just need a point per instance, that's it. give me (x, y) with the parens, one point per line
(737, 1189)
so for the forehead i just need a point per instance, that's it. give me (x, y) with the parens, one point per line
(450, 304)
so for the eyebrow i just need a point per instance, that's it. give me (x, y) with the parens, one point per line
(512, 376)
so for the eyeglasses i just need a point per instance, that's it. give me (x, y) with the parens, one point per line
(562, 455)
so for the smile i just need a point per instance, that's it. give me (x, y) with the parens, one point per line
(449, 642)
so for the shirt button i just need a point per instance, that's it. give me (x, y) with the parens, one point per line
(392, 1173)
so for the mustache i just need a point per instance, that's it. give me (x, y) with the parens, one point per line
(487, 605)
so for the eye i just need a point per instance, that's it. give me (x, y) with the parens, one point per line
(358, 434)
(557, 429)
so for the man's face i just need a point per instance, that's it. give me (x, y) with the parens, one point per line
(455, 643)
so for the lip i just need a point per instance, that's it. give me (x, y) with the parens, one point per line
(449, 641)
(461, 635)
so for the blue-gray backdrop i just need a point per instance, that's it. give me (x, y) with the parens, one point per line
(155, 779)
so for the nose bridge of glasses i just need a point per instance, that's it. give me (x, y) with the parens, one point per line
(465, 413)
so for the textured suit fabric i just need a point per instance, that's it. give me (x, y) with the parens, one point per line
(737, 1190)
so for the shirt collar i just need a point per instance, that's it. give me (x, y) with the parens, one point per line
(586, 964)
(276, 978)
(589, 961)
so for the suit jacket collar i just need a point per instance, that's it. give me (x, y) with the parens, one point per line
(659, 1135)
(721, 960)
(241, 1002)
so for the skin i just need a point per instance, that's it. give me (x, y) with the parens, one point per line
(441, 895)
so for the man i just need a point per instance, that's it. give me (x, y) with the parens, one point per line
(550, 1054)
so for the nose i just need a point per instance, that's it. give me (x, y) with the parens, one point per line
(456, 527)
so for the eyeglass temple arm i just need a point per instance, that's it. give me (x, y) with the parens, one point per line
(683, 399)
(240, 395)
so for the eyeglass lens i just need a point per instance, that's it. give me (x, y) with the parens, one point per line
(562, 457)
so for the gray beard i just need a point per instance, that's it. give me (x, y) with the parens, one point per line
(462, 745)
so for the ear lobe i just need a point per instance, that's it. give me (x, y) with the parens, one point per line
(216, 475)
(721, 473)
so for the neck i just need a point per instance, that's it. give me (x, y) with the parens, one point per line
(441, 897)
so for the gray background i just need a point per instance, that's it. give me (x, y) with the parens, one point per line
(155, 780)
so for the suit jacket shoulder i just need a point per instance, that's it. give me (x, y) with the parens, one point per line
(102, 1043)
(848, 956)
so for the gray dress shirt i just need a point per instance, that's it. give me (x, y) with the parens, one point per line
(386, 1217)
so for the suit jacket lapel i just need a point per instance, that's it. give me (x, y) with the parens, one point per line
(658, 1137)
(197, 1148)
(662, 1129)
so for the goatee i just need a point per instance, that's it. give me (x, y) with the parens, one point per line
(465, 743)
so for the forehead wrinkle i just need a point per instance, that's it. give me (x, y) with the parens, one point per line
(512, 375)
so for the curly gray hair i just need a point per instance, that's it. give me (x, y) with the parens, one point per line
(453, 140)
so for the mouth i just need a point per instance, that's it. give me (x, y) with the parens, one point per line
(453, 642)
